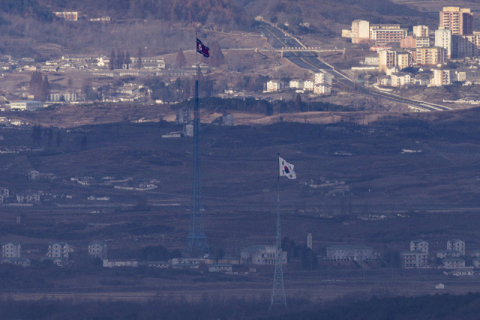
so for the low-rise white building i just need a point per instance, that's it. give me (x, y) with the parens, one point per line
(442, 254)
(220, 268)
(97, 249)
(322, 89)
(323, 78)
(453, 263)
(11, 250)
(442, 77)
(414, 259)
(400, 79)
(296, 84)
(456, 244)
(356, 252)
(275, 85)
(111, 263)
(308, 85)
(262, 255)
(58, 250)
(419, 245)
(18, 261)
(26, 105)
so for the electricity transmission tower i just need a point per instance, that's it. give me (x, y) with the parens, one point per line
(196, 240)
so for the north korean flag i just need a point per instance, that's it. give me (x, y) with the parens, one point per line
(202, 49)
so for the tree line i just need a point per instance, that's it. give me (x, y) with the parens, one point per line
(39, 86)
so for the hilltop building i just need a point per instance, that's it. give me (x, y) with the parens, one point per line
(419, 245)
(97, 249)
(352, 252)
(262, 255)
(58, 250)
(458, 20)
(11, 250)
(456, 244)
(69, 16)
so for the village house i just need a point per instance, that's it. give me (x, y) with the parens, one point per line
(349, 252)
(262, 255)
(456, 244)
(275, 85)
(111, 263)
(453, 263)
(11, 250)
(28, 198)
(220, 268)
(419, 245)
(414, 259)
(18, 261)
(97, 249)
(296, 84)
(58, 250)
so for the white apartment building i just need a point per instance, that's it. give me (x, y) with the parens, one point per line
(414, 259)
(296, 84)
(400, 79)
(262, 255)
(357, 252)
(58, 250)
(420, 31)
(456, 244)
(323, 78)
(453, 263)
(443, 39)
(442, 78)
(322, 89)
(419, 245)
(308, 85)
(385, 33)
(11, 250)
(97, 249)
(275, 85)
(360, 31)
(423, 42)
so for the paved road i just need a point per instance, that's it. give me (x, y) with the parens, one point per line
(308, 60)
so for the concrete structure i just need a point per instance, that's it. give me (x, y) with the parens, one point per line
(386, 33)
(308, 85)
(58, 250)
(419, 245)
(66, 96)
(322, 89)
(26, 105)
(323, 78)
(458, 20)
(69, 16)
(442, 77)
(442, 254)
(423, 42)
(296, 84)
(453, 263)
(183, 116)
(456, 244)
(371, 61)
(408, 42)
(360, 32)
(400, 79)
(443, 39)
(120, 263)
(430, 56)
(97, 249)
(262, 255)
(275, 85)
(394, 58)
(466, 45)
(420, 31)
(476, 262)
(20, 261)
(414, 259)
(309, 241)
(11, 250)
(356, 252)
(222, 267)
(28, 198)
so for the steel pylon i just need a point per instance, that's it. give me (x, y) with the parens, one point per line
(196, 245)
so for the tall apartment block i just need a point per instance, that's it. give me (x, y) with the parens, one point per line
(360, 31)
(458, 20)
(443, 39)
(385, 33)
(420, 31)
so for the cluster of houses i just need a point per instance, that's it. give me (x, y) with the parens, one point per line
(451, 258)
(58, 253)
(321, 84)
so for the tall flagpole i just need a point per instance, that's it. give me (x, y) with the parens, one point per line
(279, 299)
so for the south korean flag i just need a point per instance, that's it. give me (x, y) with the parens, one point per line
(286, 169)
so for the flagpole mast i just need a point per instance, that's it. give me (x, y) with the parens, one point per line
(278, 293)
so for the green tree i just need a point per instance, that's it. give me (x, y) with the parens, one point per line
(128, 60)
(180, 60)
(113, 60)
